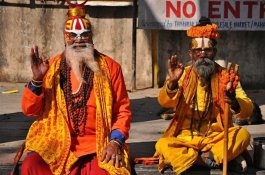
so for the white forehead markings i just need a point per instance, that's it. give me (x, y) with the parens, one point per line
(206, 42)
(78, 31)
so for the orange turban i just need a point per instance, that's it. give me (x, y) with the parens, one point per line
(205, 29)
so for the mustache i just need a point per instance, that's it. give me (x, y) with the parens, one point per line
(204, 61)
(81, 45)
(204, 67)
(204, 64)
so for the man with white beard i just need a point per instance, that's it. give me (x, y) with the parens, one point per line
(195, 135)
(82, 108)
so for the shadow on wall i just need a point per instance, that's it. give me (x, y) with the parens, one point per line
(14, 126)
(145, 109)
(142, 149)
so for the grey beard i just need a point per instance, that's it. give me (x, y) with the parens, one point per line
(76, 57)
(204, 68)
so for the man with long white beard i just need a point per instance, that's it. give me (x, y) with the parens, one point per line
(195, 135)
(82, 108)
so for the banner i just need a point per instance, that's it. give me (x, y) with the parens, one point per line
(109, 3)
(181, 14)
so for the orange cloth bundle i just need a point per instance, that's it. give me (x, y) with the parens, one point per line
(208, 31)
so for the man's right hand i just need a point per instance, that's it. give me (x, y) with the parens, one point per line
(39, 64)
(175, 70)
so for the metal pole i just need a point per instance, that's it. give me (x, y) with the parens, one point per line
(133, 78)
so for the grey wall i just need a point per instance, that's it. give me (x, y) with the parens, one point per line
(239, 47)
(22, 26)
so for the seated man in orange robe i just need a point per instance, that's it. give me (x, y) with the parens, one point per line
(82, 108)
(195, 134)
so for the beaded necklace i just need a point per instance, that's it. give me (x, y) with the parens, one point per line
(203, 115)
(76, 102)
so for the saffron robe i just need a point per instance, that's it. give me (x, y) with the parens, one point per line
(50, 135)
(180, 146)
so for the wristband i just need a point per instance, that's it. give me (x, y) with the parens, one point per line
(171, 91)
(35, 84)
(36, 81)
(117, 141)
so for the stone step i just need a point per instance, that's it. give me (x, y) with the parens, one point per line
(140, 169)
(152, 170)
(6, 169)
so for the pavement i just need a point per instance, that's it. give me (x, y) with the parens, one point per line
(146, 128)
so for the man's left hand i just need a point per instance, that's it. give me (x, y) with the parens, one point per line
(112, 154)
(230, 98)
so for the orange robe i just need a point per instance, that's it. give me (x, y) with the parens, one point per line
(119, 111)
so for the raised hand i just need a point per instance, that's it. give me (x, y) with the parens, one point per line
(175, 70)
(230, 95)
(39, 64)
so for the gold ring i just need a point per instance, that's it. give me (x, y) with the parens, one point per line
(118, 157)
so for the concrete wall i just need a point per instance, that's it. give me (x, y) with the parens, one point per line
(239, 47)
(22, 26)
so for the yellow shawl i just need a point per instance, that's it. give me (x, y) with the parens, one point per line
(49, 136)
(186, 93)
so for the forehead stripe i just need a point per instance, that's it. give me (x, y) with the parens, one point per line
(74, 25)
(81, 24)
(201, 43)
(77, 25)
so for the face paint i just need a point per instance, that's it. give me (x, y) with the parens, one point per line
(201, 43)
(77, 25)
(78, 28)
(202, 48)
(85, 36)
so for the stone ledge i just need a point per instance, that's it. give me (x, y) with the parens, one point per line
(152, 170)
(140, 169)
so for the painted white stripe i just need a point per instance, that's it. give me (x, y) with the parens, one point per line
(74, 24)
(77, 31)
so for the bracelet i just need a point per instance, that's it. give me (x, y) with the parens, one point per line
(35, 84)
(171, 91)
(117, 141)
(36, 81)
